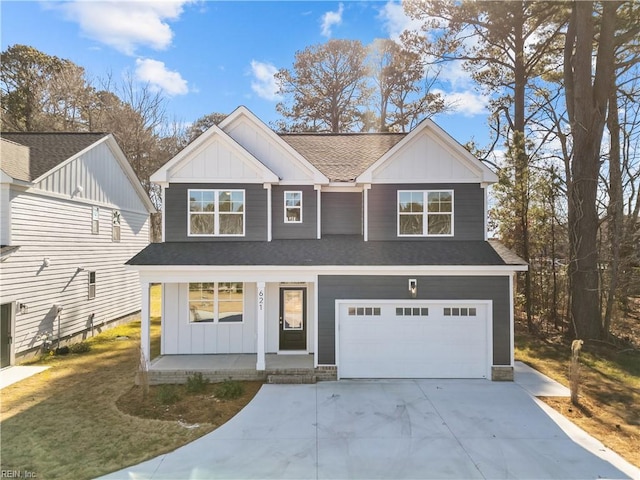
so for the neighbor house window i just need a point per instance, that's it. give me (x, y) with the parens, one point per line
(95, 220)
(425, 213)
(216, 302)
(92, 285)
(115, 226)
(292, 207)
(216, 212)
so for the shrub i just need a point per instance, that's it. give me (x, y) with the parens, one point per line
(167, 394)
(82, 347)
(196, 383)
(229, 390)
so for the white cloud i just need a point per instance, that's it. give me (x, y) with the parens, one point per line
(329, 19)
(128, 25)
(396, 21)
(466, 103)
(264, 82)
(156, 74)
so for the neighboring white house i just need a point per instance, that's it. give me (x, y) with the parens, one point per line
(72, 212)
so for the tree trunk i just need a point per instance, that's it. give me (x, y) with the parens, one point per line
(586, 105)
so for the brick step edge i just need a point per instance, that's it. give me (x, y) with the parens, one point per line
(291, 379)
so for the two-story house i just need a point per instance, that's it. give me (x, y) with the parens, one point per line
(368, 251)
(72, 212)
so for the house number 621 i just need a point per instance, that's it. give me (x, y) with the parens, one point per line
(260, 299)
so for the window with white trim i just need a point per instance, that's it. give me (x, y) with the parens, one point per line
(92, 285)
(425, 213)
(116, 219)
(95, 220)
(293, 207)
(216, 302)
(460, 312)
(364, 311)
(412, 311)
(216, 213)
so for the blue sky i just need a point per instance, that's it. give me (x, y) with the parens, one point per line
(211, 56)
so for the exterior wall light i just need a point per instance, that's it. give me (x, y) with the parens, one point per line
(413, 287)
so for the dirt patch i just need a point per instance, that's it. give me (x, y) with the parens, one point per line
(175, 403)
(597, 419)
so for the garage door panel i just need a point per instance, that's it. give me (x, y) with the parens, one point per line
(432, 345)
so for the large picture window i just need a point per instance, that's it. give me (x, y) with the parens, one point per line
(292, 207)
(216, 212)
(216, 302)
(425, 213)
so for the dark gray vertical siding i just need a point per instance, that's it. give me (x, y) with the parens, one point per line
(341, 213)
(468, 213)
(334, 287)
(175, 210)
(309, 226)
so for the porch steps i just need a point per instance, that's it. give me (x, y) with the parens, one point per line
(291, 379)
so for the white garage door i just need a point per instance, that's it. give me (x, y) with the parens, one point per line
(413, 340)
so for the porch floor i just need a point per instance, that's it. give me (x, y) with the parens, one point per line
(217, 368)
(230, 362)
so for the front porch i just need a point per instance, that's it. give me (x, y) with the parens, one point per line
(220, 367)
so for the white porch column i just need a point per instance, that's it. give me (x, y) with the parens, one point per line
(145, 326)
(261, 363)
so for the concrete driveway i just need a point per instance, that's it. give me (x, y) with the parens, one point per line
(390, 429)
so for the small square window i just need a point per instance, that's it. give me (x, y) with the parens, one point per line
(368, 311)
(352, 311)
(464, 312)
(407, 311)
(447, 312)
(376, 311)
(416, 311)
(360, 310)
(399, 311)
(424, 312)
(472, 312)
(455, 312)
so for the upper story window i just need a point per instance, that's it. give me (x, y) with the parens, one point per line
(292, 207)
(216, 212)
(95, 220)
(425, 213)
(115, 225)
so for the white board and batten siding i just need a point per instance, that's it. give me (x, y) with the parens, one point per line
(49, 222)
(181, 336)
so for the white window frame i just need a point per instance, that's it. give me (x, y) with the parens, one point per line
(216, 213)
(91, 286)
(216, 305)
(95, 220)
(286, 220)
(116, 223)
(425, 214)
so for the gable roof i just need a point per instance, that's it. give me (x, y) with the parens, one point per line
(342, 157)
(460, 153)
(14, 160)
(48, 150)
(163, 173)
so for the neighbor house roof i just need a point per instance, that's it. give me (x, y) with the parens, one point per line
(14, 160)
(48, 150)
(342, 157)
(331, 250)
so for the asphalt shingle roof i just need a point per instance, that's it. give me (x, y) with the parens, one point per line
(48, 150)
(334, 250)
(14, 160)
(342, 157)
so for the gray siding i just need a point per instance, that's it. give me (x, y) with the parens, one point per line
(333, 287)
(175, 210)
(468, 208)
(308, 228)
(341, 213)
